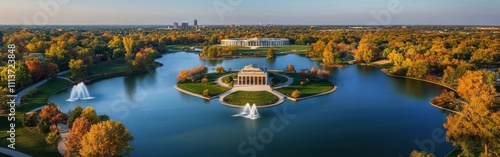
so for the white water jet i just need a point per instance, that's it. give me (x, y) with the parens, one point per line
(249, 112)
(79, 92)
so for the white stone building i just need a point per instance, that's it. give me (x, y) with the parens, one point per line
(252, 75)
(255, 42)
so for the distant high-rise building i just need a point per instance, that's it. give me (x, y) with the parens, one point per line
(195, 23)
(185, 25)
(176, 25)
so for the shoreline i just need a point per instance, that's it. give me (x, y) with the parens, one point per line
(193, 94)
(312, 96)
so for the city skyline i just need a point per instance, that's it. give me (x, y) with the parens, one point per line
(280, 12)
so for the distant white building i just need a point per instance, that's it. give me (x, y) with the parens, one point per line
(255, 42)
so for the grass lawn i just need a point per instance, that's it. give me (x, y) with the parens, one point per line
(198, 87)
(40, 99)
(27, 142)
(258, 98)
(277, 79)
(313, 87)
(225, 80)
(108, 67)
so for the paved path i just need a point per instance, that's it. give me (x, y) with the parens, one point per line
(252, 88)
(286, 84)
(21, 93)
(220, 83)
(64, 132)
(11, 152)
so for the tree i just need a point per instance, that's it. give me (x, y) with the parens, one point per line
(183, 75)
(43, 125)
(314, 70)
(204, 80)
(51, 113)
(108, 138)
(220, 70)
(418, 69)
(366, 52)
(23, 77)
(396, 58)
(206, 93)
(483, 57)
(52, 138)
(78, 68)
(477, 124)
(296, 94)
(271, 54)
(128, 44)
(3, 98)
(35, 68)
(30, 119)
(145, 58)
(415, 153)
(449, 75)
(290, 68)
(52, 70)
(73, 144)
(473, 84)
(73, 115)
(90, 114)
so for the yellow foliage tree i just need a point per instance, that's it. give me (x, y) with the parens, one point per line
(108, 138)
(473, 84)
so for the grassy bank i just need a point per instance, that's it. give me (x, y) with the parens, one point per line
(259, 98)
(198, 87)
(46, 90)
(27, 142)
(277, 79)
(312, 87)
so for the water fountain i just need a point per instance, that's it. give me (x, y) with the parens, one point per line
(79, 92)
(249, 112)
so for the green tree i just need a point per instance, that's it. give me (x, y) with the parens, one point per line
(108, 138)
(52, 138)
(23, 77)
(30, 120)
(73, 115)
(78, 69)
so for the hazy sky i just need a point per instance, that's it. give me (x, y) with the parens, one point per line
(313, 12)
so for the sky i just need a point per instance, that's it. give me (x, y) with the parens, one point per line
(251, 12)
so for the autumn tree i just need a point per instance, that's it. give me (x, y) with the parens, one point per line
(206, 93)
(90, 114)
(51, 113)
(290, 68)
(78, 69)
(73, 143)
(271, 53)
(449, 75)
(23, 77)
(183, 75)
(128, 44)
(35, 68)
(145, 58)
(483, 57)
(396, 58)
(53, 138)
(477, 128)
(296, 94)
(220, 70)
(313, 70)
(108, 138)
(328, 56)
(366, 52)
(51, 70)
(421, 154)
(418, 69)
(475, 83)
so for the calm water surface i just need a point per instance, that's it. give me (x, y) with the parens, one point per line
(369, 115)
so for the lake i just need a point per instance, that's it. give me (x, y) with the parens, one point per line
(370, 114)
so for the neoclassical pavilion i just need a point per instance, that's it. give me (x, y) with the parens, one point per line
(255, 42)
(252, 75)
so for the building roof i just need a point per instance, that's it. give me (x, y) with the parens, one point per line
(252, 69)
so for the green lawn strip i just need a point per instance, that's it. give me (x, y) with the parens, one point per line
(26, 142)
(46, 90)
(225, 79)
(258, 98)
(311, 88)
(277, 79)
(198, 87)
(109, 68)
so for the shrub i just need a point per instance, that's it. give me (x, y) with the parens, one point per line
(204, 80)
(296, 94)
(206, 93)
(30, 120)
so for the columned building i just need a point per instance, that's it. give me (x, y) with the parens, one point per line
(251, 75)
(255, 42)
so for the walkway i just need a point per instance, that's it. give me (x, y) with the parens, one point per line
(280, 96)
(220, 83)
(21, 93)
(286, 84)
(12, 152)
(64, 132)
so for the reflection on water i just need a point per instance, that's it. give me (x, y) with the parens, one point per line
(372, 112)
